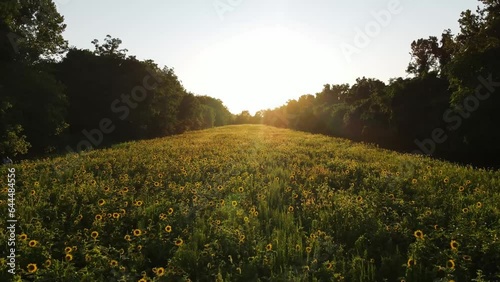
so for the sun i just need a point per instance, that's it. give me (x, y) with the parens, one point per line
(262, 68)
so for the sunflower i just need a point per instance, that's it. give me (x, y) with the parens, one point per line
(98, 217)
(160, 271)
(170, 211)
(68, 257)
(113, 263)
(269, 247)
(68, 250)
(37, 184)
(479, 205)
(32, 267)
(240, 189)
(308, 249)
(427, 213)
(414, 181)
(465, 210)
(359, 199)
(411, 262)
(329, 265)
(246, 219)
(234, 203)
(125, 189)
(142, 280)
(138, 203)
(137, 232)
(47, 263)
(116, 215)
(23, 237)
(168, 228)
(290, 208)
(418, 234)
(106, 188)
(101, 202)
(94, 234)
(450, 264)
(33, 192)
(446, 180)
(179, 242)
(127, 237)
(461, 188)
(454, 245)
(33, 243)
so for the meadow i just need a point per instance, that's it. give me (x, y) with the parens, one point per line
(251, 203)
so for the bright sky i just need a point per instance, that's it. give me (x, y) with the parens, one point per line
(257, 54)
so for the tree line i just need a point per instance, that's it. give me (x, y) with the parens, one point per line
(58, 99)
(446, 107)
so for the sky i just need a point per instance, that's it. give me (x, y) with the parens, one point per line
(258, 54)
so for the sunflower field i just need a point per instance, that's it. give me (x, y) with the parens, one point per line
(251, 203)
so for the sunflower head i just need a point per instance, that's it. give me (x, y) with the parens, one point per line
(32, 267)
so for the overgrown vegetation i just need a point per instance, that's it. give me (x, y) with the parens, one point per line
(253, 203)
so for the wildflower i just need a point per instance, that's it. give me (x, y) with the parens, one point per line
(94, 234)
(465, 210)
(479, 205)
(68, 257)
(359, 199)
(454, 245)
(427, 213)
(32, 267)
(68, 249)
(139, 247)
(160, 271)
(101, 202)
(23, 237)
(37, 184)
(411, 262)
(450, 264)
(127, 237)
(446, 180)
(138, 203)
(98, 217)
(308, 249)
(419, 234)
(170, 211)
(269, 247)
(168, 228)
(234, 203)
(240, 189)
(116, 215)
(461, 188)
(329, 265)
(106, 188)
(113, 263)
(246, 219)
(33, 243)
(137, 232)
(290, 209)
(33, 192)
(179, 242)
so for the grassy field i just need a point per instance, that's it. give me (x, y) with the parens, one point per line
(251, 203)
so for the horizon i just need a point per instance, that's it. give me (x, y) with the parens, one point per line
(216, 47)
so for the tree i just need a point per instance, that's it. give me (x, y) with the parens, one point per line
(110, 47)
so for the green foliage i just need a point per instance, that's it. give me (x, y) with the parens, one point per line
(253, 203)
